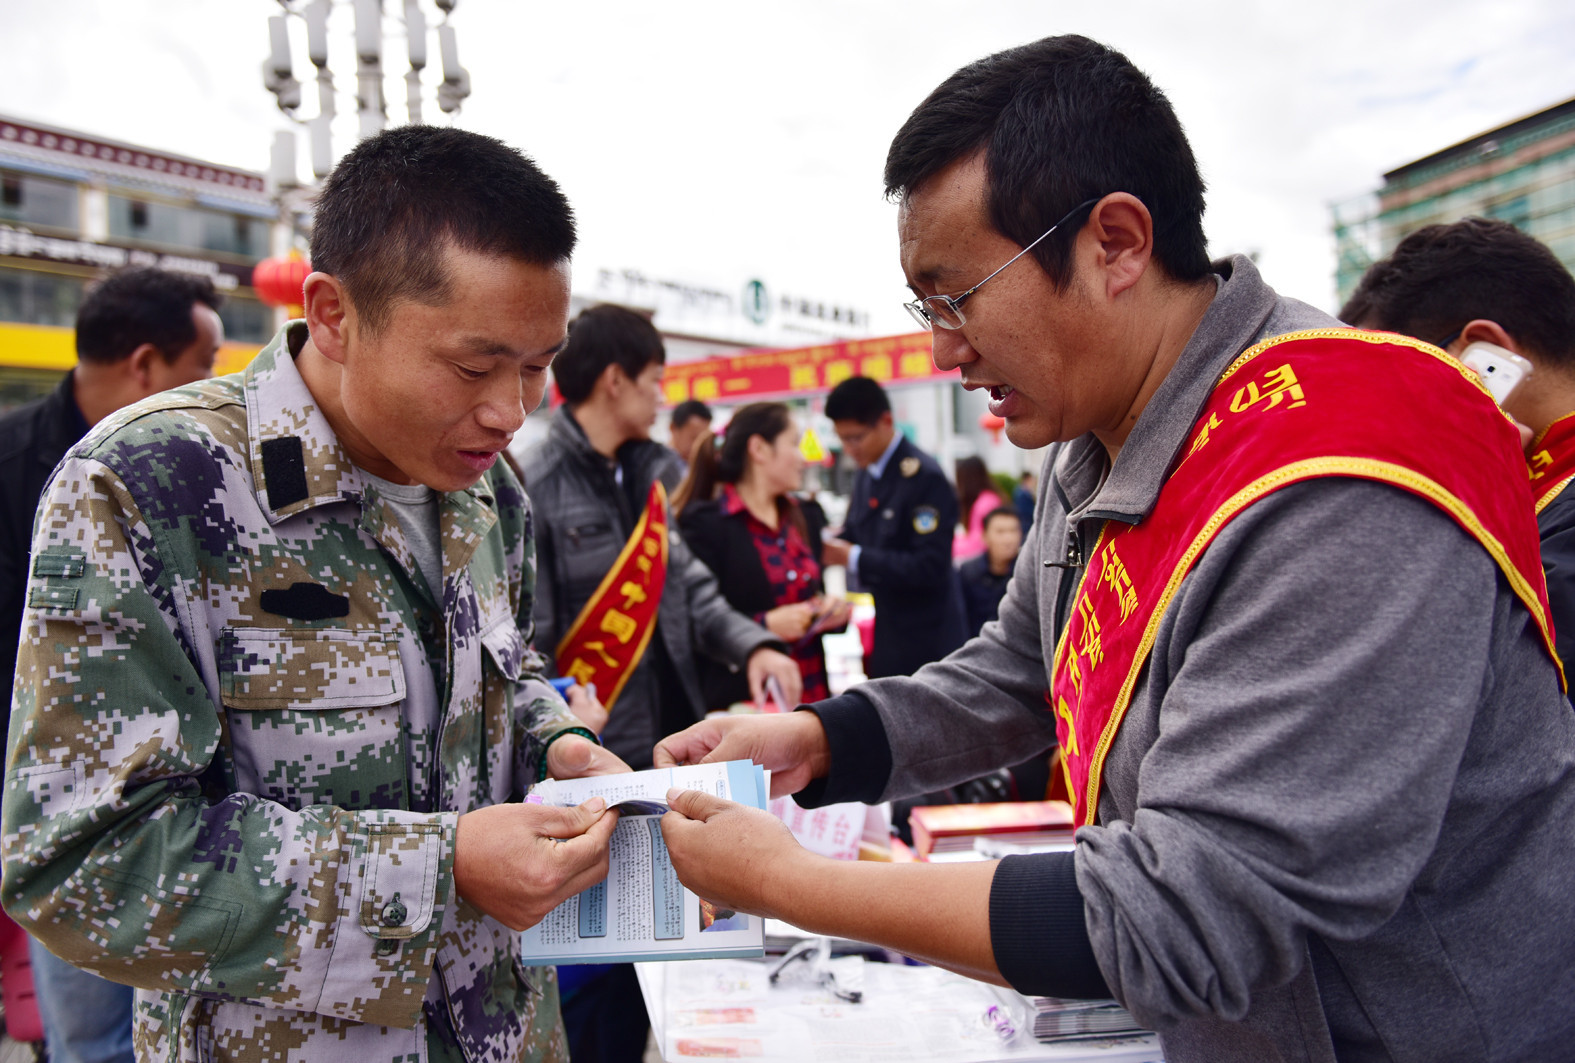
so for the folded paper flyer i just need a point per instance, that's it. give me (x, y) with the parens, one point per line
(641, 911)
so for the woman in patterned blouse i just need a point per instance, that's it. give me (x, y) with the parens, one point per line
(737, 513)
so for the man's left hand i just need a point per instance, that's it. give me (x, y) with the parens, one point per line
(768, 662)
(575, 757)
(732, 855)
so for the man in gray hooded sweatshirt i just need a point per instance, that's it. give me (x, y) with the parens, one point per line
(1336, 805)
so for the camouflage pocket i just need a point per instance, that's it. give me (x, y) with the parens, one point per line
(506, 646)
(315, 715)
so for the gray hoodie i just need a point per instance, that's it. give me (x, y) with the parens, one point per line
(1337, 821)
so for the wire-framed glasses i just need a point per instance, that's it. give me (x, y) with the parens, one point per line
(946, 310)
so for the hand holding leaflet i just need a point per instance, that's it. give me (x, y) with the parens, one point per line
(641, 911)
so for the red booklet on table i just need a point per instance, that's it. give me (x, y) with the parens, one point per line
(942, 827)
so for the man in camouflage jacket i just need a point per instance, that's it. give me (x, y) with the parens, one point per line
(250, 736)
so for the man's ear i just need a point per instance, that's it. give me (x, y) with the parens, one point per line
(1119, 242)
(329, 315)
(612, 380)
(139, 367)
(1483, 330)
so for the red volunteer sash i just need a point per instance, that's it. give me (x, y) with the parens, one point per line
(608, 638)
(1309, 404)
(1552, 461)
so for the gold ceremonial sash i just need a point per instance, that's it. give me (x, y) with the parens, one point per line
(608, 638)
(1552, 460)
(1327, 402)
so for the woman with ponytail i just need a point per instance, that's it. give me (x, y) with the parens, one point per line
(736, 511)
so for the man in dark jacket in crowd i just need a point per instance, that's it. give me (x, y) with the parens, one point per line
(588, 483)
(138, 332)
(1482, 281)
(897, 539)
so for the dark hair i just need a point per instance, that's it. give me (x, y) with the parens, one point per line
(714, 463)
(394, 204)
(1060, 121)
(1443, 276)
(689, 408)
(137, 306)
(1001, 511)
(973, 480)
(600, 336)
(857, 398)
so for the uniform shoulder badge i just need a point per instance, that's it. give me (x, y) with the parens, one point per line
(908, 466)
(926, 518)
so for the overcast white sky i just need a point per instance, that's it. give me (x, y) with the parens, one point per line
(717, 141)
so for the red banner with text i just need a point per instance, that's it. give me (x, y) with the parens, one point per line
(773, 374)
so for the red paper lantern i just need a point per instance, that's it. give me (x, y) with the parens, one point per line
(992, 424)
(278, 281)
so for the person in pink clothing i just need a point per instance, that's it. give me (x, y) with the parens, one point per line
(975, 497)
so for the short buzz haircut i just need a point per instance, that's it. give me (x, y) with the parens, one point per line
(687, 410)
(137, 306)
(1001, 511)
(857, 398)
(1060, 121)
(392, 207)
(603, 335)
(1442, 277)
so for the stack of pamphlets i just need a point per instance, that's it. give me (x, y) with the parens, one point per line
(641, 911)
(1068, 1020)
(1050, 1020)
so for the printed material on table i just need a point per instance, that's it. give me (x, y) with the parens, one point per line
(730, 1009)
(942, 832)
(846, 831)
(641, 911)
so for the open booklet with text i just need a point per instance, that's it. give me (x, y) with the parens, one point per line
(641, 911)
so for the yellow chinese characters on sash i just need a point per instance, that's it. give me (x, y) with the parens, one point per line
(1552, 461)
(1329, 402)
(608, 638)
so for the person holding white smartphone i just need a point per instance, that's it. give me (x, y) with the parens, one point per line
(1501, 302)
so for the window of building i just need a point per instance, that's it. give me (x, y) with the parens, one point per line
(1516, 211)
(37, 201)
(32, 297)
(187, 228)
(246, 320)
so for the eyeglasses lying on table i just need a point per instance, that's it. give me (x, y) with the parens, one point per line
(816, 954)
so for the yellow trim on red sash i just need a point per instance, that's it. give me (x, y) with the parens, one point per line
(1532, 453)
(600, 602)
(1552, 493)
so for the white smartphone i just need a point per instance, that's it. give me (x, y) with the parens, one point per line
(1499, 368)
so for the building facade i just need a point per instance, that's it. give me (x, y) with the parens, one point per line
(1522, 173)
(74, 206)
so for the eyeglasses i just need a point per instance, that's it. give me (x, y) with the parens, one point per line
(946, 310)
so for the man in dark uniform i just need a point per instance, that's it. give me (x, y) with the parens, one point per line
(898, 535)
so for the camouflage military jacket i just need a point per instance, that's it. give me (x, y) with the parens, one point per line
(245, 728)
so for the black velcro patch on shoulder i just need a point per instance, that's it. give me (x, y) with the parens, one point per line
(284, 470)
(306, 601)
